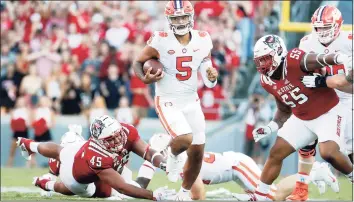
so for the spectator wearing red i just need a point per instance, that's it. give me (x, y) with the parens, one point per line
(43, 120)
(142, 98)
(139, 28)
(20, 120)
(116, 28)
(79, 16)
(212, 8)
(210, 101)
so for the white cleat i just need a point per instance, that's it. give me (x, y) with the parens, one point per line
(174, 166)
(321, 172)
(23, 144)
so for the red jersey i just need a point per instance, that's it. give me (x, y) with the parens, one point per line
(54, 166)
(92, 159)
(306, 103)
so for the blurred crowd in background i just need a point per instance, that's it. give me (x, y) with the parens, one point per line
(78, 54)
(74, 57)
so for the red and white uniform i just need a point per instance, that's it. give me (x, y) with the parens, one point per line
(342, 44)
(20, 119)
(310, 107)
(220, 168)
(81, 162)
(42, 120)
(176, 100)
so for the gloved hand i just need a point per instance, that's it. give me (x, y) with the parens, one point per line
(261, 132)
(163, 193)
(314, 81)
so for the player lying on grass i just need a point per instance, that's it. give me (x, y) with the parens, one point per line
(73, 136)
(232, 166)
(99, 160)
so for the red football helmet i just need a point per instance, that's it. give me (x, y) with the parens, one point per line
(180, 16)
(326, 22)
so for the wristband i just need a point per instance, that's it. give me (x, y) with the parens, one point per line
(273, 126)
(320, 81)
(153, 156)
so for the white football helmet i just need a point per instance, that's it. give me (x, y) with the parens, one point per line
(159, 142)
(108, 133)
(180, 16)
(269, 52)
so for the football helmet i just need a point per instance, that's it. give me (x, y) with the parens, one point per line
(326, 23)
(108, 133)
(180, 16)
(269, 51)
(159, 142)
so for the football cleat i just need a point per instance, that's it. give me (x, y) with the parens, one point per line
(300, 193)
(24, 145)
(41, 183)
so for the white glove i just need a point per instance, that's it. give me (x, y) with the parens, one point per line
(320, 174)
(346, 60)
(75, 128)
(163, 193)
(264, 131)
(309, 81)
(321, 185)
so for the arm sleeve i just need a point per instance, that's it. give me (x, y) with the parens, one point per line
(147, 170)
(203, 71)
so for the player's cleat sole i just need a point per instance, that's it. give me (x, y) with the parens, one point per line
(24, 151)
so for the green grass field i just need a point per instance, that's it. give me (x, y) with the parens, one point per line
(21, 177)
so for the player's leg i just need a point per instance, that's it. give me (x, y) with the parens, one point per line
(306, 160)
(198, 190)
(329, 139)
(195, 118)
(292, 136)
(174, 122)
(46, 149)
(52, 185)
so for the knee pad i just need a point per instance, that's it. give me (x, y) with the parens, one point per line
(309, 150)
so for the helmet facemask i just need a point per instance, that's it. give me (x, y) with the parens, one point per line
(181, 24)
(266, 64)
(326, 32)
(114, 143)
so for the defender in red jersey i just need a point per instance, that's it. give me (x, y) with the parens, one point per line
(97, 160)
(301, 112)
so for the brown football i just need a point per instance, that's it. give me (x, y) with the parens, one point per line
(155, 64)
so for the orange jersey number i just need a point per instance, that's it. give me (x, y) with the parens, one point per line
(209, 158)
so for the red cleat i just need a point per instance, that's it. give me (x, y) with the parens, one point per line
(300, 193)
(24, 145)
(41, 183)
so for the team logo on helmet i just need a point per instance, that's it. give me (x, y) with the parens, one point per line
(96, 128)
(274, 43)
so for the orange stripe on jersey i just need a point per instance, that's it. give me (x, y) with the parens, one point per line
(244, 174)
(253, 173)
(162, 117)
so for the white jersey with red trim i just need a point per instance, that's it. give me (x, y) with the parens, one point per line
(342, 44)
(181, 63)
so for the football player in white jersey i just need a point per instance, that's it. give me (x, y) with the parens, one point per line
(183, 52)
(326, 38)
(233, 166)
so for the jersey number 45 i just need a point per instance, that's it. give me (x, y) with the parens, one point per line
(185, 71)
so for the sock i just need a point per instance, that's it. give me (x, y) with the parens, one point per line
(262, 190)
(50, 185)
(34, 147)
(303, 177)
(350, 177)
(183, 190)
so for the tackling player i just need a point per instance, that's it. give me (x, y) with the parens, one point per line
(183, 52)
(99, 160)
(327, 38)
(230, 166)
(301, 111)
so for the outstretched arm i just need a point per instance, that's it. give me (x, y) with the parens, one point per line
(112, 178)
(143, 150)
(312, 61)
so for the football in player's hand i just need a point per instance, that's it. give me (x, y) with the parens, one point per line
(155, 64)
